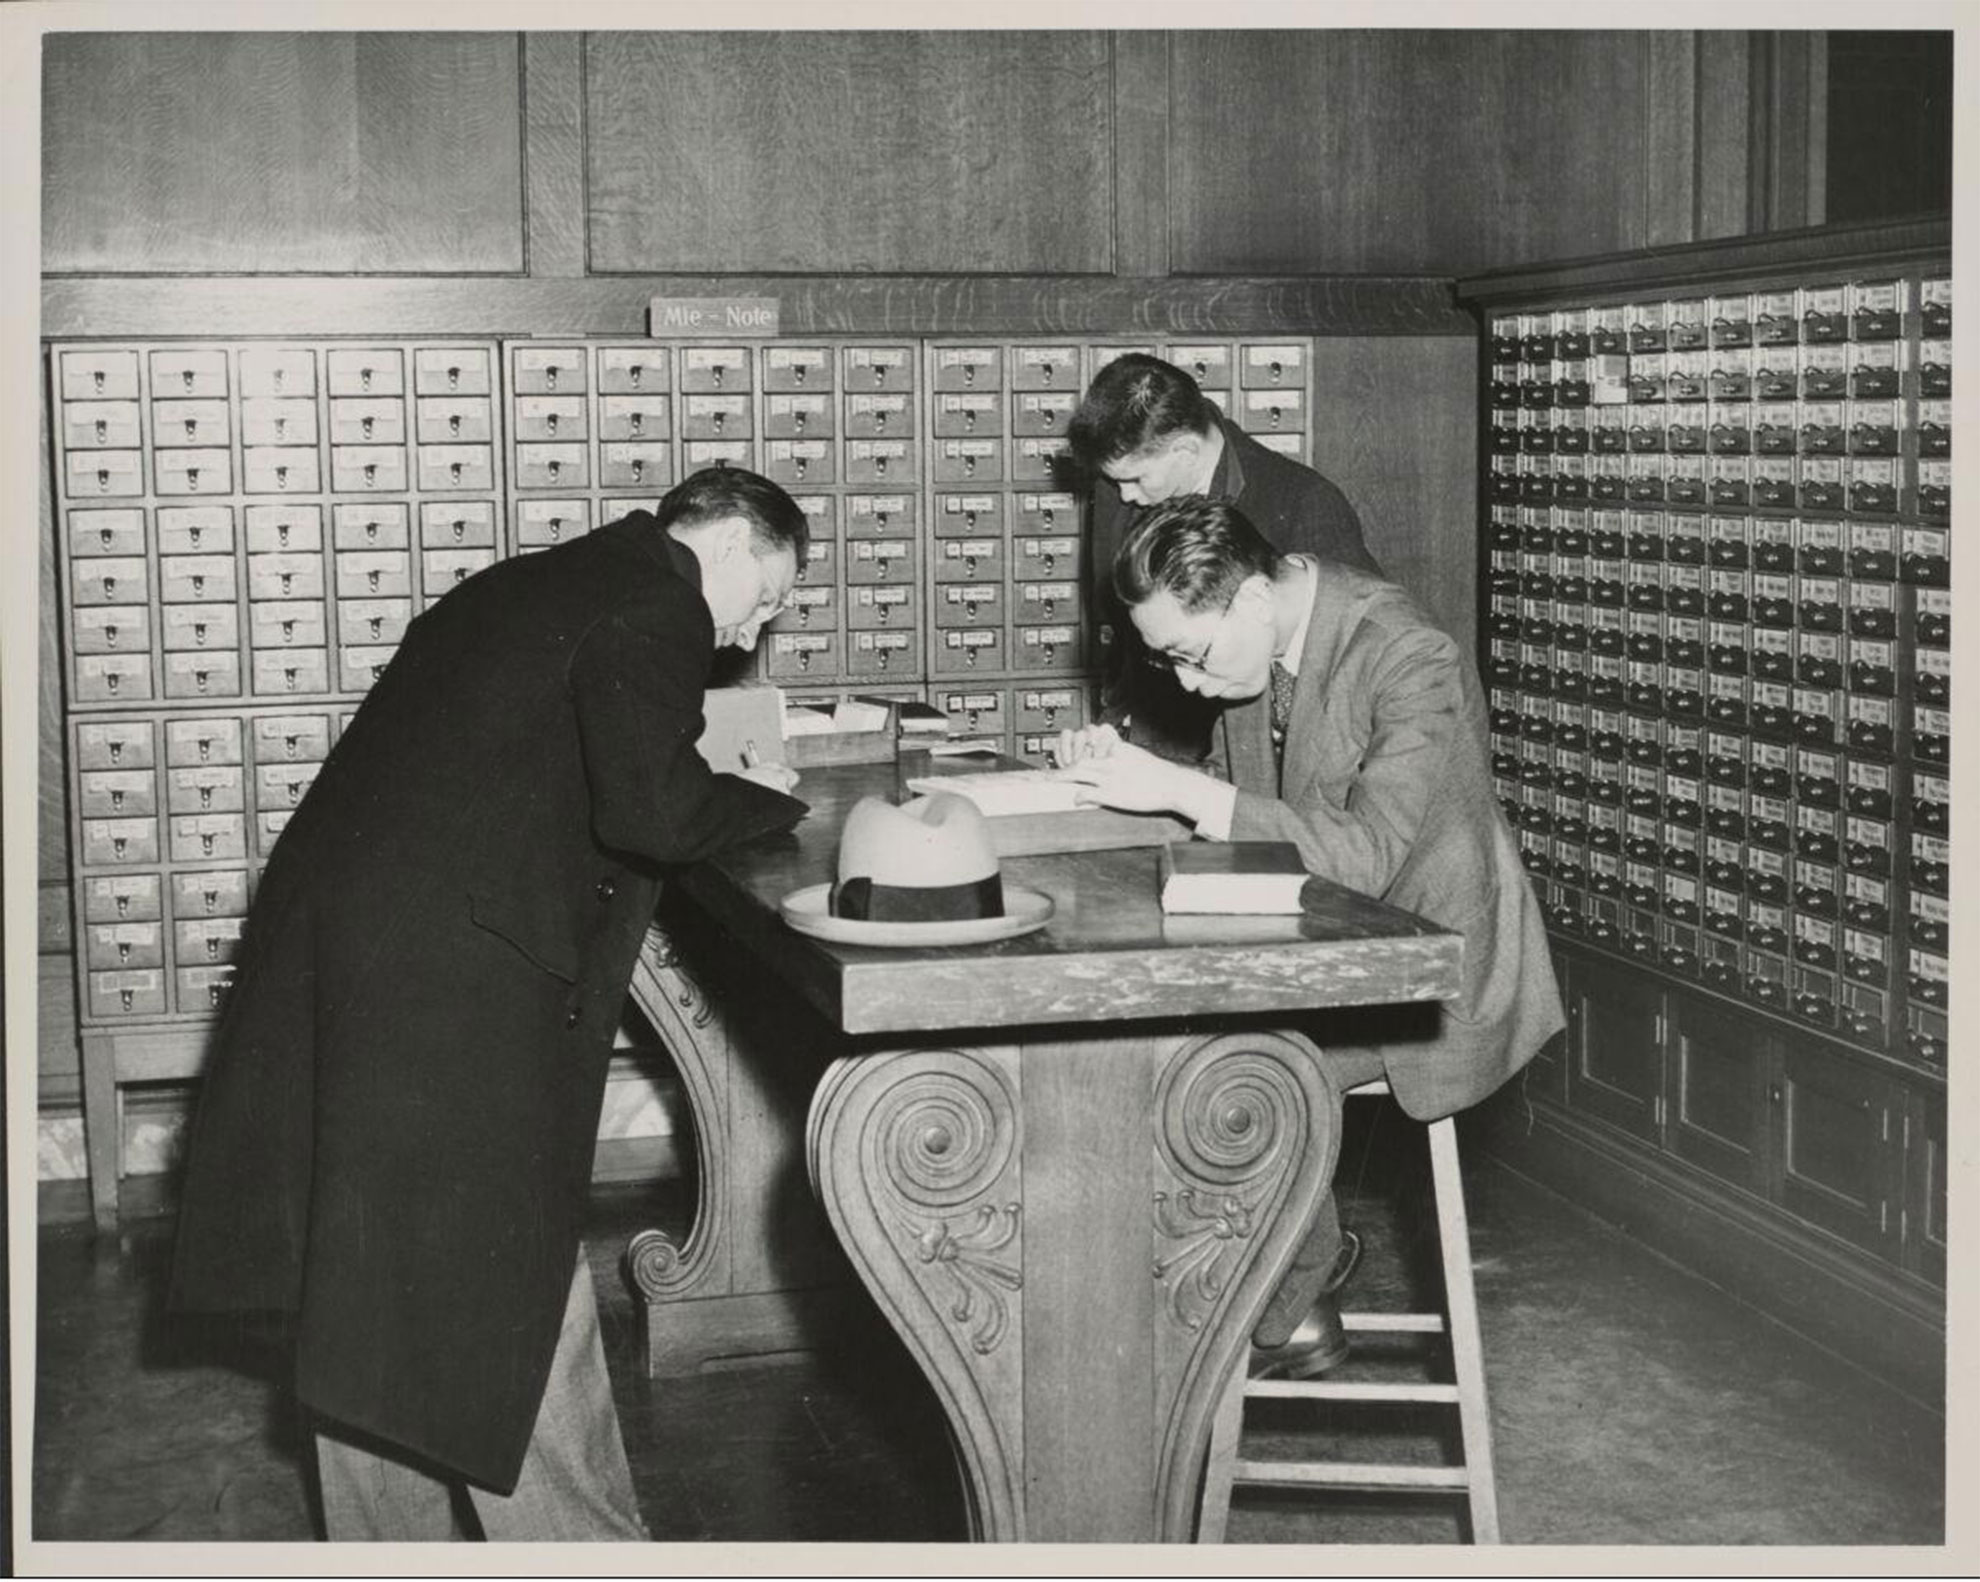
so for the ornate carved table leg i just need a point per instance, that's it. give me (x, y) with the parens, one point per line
(755, 1274)
(1074, 1239)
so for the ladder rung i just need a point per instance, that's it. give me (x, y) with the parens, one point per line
(1341, 1390)
(1395, 1323)
(1349, 1475)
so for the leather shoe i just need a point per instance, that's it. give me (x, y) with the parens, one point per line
(1319, 1342)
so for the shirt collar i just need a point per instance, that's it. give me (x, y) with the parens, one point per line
(1227, 477)
(1296, 645)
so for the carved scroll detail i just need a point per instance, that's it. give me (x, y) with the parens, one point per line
(660, 953)
(916, 1156)
(1244, 1149)
(661, 1267)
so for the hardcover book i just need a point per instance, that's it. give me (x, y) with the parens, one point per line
(1232, 876)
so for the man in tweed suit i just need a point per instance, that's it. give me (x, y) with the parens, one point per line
(1376, 769)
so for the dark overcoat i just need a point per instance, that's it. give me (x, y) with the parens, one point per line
(1293, 507)
(1385, 785)
(399, 1110)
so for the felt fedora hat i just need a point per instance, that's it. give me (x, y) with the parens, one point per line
(923, 873)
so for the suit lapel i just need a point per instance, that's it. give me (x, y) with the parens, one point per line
(1338, 597)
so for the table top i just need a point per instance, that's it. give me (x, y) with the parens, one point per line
(1109, 952)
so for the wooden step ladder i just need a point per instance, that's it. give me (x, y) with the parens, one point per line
(1225, 1469)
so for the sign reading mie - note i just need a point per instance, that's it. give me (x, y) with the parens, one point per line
(712, 316)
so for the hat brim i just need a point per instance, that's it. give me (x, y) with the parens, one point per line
(806, 910)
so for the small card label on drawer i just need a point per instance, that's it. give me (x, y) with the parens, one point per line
(207, 941)
(461, 420)
(441, 569)
(116, 533)
(291, 737)
(101, 425)
(280, 786)
(214, 892)
(115, 628)
(456, 466)
(200, 837)
(278, 371)
(1047, 511)
(214, 788)
(132, 992)
(455, 524)
(286, 622)
(102, 473)
(798, 416)
(191, 471)
(115, 744)
(365, 573)
(968, 513)
(625, 464)
(366, 420)
(119, 842)
(452, 370)
(540, 523)
(366, 371)
(189, 371)
(104, 678)
(879, 368)
(368, 468)
(968, 368)
(633, 369)
(544, 370)
(135, 897)
(373, 620)
(99, 376)
(203, 989)
(118, 793)
(291, 671)
(202, 741)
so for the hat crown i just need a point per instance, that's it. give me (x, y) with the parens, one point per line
(931, 841)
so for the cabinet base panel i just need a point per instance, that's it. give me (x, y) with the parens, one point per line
(1874, 1316)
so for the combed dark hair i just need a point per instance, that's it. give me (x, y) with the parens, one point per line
(1197, 549)
(776, 521)
(1134, 402)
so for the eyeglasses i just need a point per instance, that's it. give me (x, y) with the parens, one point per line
(1199, 660)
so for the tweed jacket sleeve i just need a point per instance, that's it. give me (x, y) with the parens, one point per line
(636, 686)
(1368, 756)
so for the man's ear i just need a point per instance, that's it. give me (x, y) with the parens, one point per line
(1256, 589)
(731, 538)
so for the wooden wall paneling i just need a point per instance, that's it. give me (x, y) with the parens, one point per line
(553, 153)
(898, 152)
(1141, 153)
(811, 305)
(1788, 131)
(1727, 169)
(1395, 425)
(1404, 151)
(268, 152)
(1670, 139)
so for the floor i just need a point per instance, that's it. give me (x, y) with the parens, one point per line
(1632, 1404)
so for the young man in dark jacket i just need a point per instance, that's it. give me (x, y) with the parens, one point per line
(1145, 433)
(399, 1109)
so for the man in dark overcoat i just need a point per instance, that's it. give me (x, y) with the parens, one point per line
(399, 1110)
(1144, 433)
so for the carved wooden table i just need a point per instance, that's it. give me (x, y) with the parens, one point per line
(1069, 1168)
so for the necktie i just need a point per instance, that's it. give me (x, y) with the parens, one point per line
(1283, 682)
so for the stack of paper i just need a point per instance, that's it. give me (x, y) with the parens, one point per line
(998, 792)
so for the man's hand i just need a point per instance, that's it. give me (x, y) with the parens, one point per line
(778, 777)
(1119, 775)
